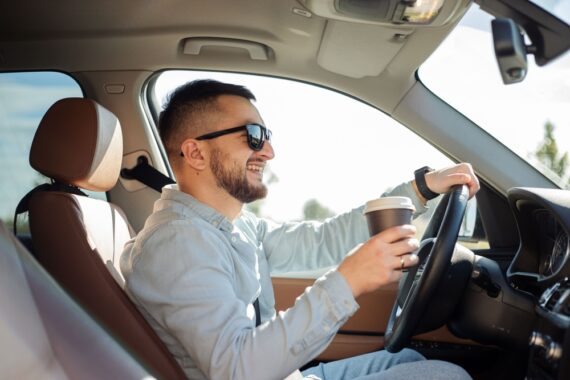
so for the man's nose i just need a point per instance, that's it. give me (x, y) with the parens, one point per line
(267, 151)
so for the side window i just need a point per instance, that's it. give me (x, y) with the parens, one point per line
(332, 152)
(24, 98)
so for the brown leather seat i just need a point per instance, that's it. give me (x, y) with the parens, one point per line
(44, 334)
(77, 239)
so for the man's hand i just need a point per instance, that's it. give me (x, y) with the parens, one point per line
(440, 181)
(380, 260)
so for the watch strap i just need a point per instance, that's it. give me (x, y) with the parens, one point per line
(420, 177)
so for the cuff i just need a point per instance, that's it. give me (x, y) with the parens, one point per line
(340, 294)
(406, 189)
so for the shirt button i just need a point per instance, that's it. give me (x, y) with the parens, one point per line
(234, 239)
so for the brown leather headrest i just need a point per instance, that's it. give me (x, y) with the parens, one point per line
(79, 143)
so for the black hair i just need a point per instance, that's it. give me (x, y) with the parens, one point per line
(187, 104)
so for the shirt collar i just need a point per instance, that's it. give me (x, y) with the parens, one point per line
(192, 206)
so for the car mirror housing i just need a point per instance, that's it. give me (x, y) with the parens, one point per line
(510, 50)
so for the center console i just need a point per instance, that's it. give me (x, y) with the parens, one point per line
(550, 339)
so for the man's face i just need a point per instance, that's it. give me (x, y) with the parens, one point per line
(236, 167)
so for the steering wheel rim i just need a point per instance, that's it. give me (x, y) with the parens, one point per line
(435, 257)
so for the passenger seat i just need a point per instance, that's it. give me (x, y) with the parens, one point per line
(78, 240)
(44, 334)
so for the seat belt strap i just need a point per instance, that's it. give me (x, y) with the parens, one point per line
(257, 312)
(147, 175)
(23, 205)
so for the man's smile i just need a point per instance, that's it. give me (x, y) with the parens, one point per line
(256, 168)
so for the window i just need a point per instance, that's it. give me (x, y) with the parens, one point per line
(24, 98)
(531, 117)
(332, 152)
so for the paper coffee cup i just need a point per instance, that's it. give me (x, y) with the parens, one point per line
(386, 212)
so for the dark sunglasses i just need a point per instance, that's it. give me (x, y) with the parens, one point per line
(256, 135)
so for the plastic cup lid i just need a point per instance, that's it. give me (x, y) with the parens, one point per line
(388, 203)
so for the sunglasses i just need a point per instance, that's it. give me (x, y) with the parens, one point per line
(256, 135)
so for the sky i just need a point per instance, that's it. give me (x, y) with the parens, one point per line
(516, 113)
(328, 146)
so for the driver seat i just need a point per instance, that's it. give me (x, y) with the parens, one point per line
(77, 239)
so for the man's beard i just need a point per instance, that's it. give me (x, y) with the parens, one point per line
(234, 179)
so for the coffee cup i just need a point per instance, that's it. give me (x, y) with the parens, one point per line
(386, 212)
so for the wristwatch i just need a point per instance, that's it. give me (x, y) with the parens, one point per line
(420, 177)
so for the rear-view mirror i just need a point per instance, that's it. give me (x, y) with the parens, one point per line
(510, 50)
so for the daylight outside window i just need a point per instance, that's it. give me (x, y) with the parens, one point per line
(332, 152)
(532, 117)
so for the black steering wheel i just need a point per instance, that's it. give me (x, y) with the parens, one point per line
(418, 285)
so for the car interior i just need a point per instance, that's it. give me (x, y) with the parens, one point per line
(495, 301)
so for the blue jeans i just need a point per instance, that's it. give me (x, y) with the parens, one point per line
(382, 365)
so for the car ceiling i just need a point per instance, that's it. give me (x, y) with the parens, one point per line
(354, 57)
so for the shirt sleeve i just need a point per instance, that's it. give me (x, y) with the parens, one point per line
(184, 279)
(406, 189)
(310, 245)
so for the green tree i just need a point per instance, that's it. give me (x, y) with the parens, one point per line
(313, 210)
(547, 152)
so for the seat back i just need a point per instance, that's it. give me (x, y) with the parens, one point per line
(44, 334)
(78, 240)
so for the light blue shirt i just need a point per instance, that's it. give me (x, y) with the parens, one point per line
(195, 275)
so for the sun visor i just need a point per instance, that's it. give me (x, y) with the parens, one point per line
(359, 50)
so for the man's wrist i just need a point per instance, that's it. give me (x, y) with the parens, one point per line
(420, 184)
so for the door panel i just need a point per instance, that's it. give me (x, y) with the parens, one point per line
(364, 331)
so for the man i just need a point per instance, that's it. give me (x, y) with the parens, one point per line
(201, 261)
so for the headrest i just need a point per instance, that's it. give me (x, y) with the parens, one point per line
(79, 143)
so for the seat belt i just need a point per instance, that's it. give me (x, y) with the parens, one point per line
(23, 205)
(146, 174)
(257, 312)
(151, 177)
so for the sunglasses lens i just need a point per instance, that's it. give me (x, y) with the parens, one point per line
(255, 136)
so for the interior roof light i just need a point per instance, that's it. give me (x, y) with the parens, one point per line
(418, 11)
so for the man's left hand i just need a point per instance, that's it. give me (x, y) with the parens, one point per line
(440, 181)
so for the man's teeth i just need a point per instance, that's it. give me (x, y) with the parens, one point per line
(255, 168)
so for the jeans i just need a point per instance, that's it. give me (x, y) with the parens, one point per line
(382, 365)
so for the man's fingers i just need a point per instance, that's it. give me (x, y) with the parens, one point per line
(404, 246)
(405, 261)
(464, 179)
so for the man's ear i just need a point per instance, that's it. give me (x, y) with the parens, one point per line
(193, 154)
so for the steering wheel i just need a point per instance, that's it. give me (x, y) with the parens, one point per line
(417, 286)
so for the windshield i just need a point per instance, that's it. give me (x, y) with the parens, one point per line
(532, 117)
(559, 8)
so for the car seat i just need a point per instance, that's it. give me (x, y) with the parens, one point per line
(77, 239)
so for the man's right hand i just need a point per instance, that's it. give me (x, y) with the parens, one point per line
(379, 261)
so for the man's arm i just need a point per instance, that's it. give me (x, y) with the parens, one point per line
(186, 279)
(300, 246)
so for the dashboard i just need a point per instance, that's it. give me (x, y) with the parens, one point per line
(542, 267)
(543, 221)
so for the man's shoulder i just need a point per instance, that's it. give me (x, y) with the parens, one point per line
(168, 236)
(176, 230)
